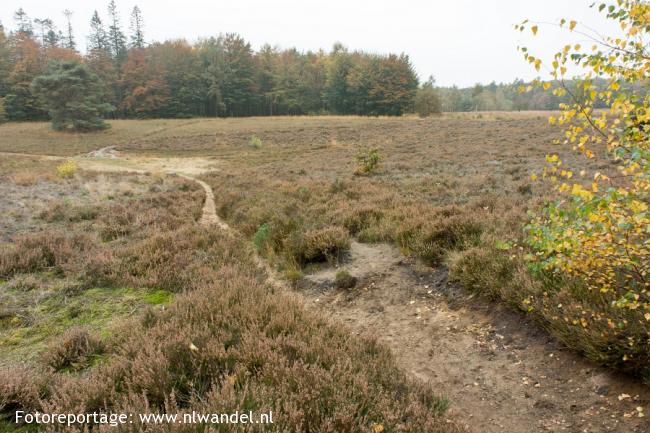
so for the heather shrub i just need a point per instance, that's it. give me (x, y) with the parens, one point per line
(117, 221)
(61, 210)
(230, 341)
(24, 389)
(484, 270)
(319, 245)
(72, 351)
(41, 251)
(432, 240)
(360, 218)
(238, 345)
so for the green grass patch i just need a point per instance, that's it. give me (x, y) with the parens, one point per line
(159, 297)
(31, 319)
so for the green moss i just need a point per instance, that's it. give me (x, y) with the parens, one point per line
(159, 297)
(58, 310)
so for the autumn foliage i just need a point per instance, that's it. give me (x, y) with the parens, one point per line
(597, 232)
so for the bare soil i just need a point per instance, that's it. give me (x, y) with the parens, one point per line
(501, 372)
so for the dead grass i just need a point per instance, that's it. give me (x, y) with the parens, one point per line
(29, 178)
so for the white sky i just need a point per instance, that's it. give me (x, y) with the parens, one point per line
(457, 41)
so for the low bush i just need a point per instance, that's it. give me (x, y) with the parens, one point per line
(67, 169)
(367, 161)
(255, 142)
(228, 340)
(320, 245)
(73, 350)
(42, 251)
(344, 280)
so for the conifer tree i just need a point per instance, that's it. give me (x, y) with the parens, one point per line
(116, 38)
(23, 22)
(73, 97)
(97, 39)
(137, 28)
(69, 41)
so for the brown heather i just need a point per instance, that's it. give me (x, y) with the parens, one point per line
(228, 341)
(450, 190)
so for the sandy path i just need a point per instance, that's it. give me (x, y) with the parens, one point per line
(108, 159)
(31, 155)
(501, 372)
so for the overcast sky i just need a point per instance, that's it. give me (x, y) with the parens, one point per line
(457, 41)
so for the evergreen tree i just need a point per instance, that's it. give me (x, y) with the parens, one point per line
(23, 22)
(73, 97)
(97, 39)
(116, 38)
(137, 28)
(69, 41)
(48, 35)
(266, 79)
(212, 61)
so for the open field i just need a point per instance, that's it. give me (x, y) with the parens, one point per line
(394, 293)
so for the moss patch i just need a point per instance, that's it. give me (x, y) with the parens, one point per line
(32, 319)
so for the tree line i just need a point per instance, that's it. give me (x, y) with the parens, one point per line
(516, 96)
(122, 75)
(216, 76)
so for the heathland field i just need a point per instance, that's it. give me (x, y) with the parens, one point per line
(392, 300)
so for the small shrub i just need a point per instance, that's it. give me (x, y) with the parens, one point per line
(72, 351)
(63, 211)
(67, 169)
(117, 222)
(361, 218)
(293, 274)
(261, 236)
(23, 389)
(367, 161)
(483, 270)
(434, 240)
(255, 142)
(344, 280)
(24, 283)
(321, 245)
(40, 251)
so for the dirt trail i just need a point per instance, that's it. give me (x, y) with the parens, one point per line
(110, 160)
(31, 155)
(502, 373)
